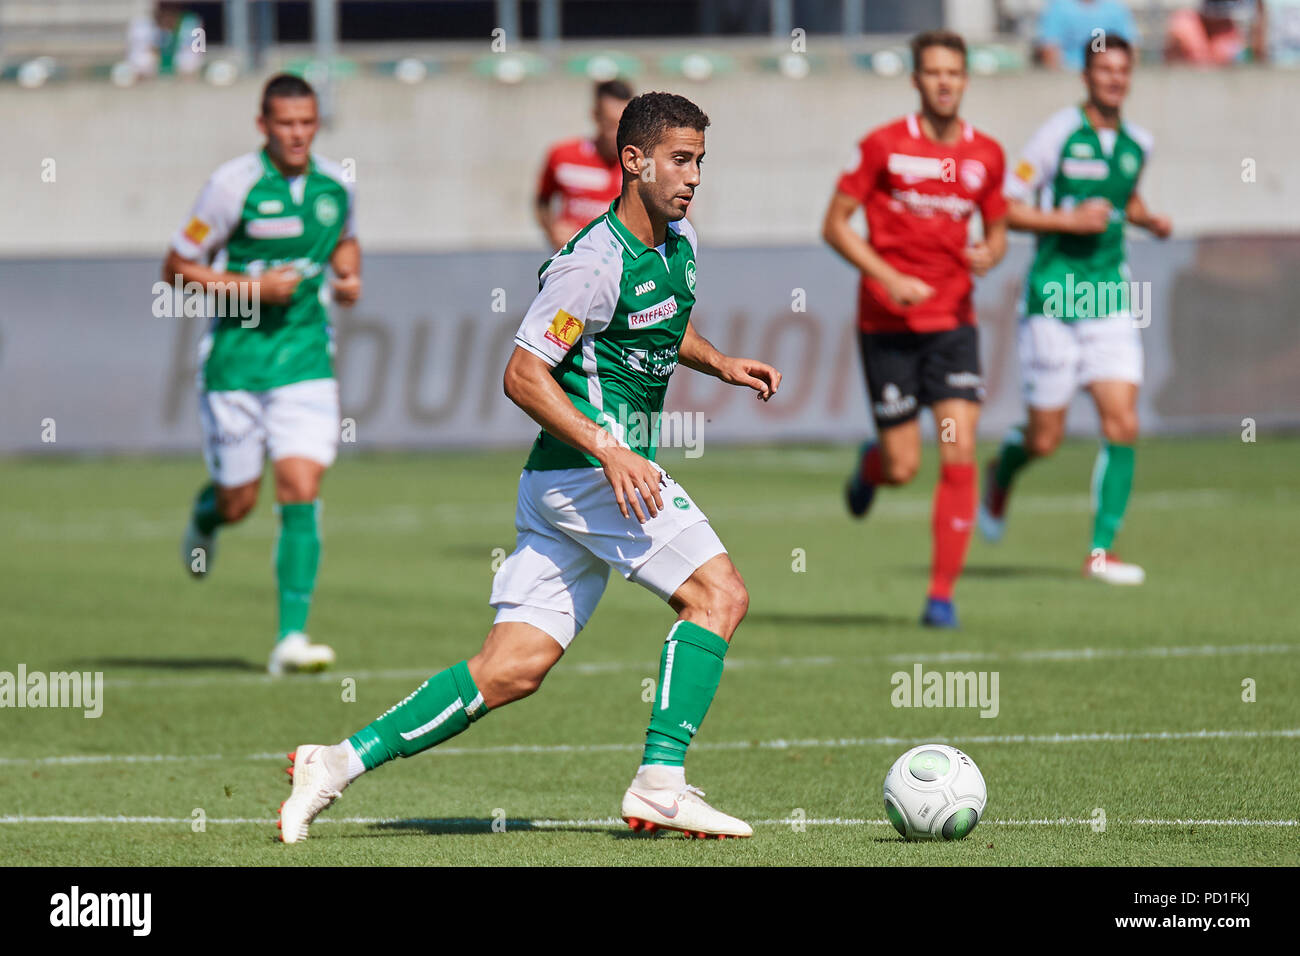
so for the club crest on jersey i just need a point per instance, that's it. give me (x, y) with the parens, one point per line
(644, 287)
(973, 174)
(564, 330)
(656, 313)
(690, 275)
(327, 210)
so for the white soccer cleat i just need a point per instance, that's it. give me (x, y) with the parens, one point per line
(320, 775)
(295, 652)
(197, 550)
(1106, 566)
(682, 810)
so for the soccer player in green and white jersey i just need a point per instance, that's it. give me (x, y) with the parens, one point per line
(1076, 187)
(269, 223)
(594, 353)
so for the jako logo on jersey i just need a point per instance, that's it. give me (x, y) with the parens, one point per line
(645, 287)
(893, 403)
(655, 314)
(285, 227)
(564, 330)
(269, 207)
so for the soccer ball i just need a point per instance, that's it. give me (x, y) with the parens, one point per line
(934, 792)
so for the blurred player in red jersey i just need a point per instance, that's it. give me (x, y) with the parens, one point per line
(582, 177)
(920, 178)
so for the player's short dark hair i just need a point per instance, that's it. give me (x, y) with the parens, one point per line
(947, 39)
(284, 85)
(647, 117)
(615, 89)
(1104, 44)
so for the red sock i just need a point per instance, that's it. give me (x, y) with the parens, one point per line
(872, 473)
(954, 514)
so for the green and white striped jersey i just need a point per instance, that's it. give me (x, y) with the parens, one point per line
(1066, 162)
(609, 316)
(249, 218)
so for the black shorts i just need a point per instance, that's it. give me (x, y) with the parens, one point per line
(906, 370)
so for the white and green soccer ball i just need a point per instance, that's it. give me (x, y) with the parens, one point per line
(934, 792)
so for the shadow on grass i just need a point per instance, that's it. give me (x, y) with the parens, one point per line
(813, 619)
(172, 663)
(471, 825)
(997, 572)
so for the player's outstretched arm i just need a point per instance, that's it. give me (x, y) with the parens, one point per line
(345, 260)
(696, 352)
(1139, 215)
(840, 235)
(988, 252)
(1088, 218)
(635, 480)
(274, 287)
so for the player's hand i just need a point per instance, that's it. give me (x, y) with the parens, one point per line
(908, 290)
(1160, 226)
(635, 481)
(1090, 217)
(347, 289)
(276, 286)
(759, 376)
(979, 258)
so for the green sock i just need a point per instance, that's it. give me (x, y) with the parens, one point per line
(297, 555)
(206, 516)
(1011, 457)
(1112, 479)
(690, 668)
(440, 708)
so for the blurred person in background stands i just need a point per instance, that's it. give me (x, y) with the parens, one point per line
(1220, 33)
(582, 176)
(1065, 28)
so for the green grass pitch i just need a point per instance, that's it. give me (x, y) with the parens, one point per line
(1103, 692)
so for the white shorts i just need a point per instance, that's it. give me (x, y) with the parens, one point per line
(570, 533)
(1057, 358)
(293, 421)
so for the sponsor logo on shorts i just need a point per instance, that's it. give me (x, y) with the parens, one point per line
(893, 403)
(654, 314)
(564, 330)
(682, 503)
(281, 227)
(963, 380)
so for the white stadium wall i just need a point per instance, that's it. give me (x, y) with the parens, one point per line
(445, 173)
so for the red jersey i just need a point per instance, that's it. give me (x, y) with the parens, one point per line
(918, 196)
(585, 182)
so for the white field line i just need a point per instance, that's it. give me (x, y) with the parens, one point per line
(734, 663)
(111, 524)
(544, 824)
(778, 744)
